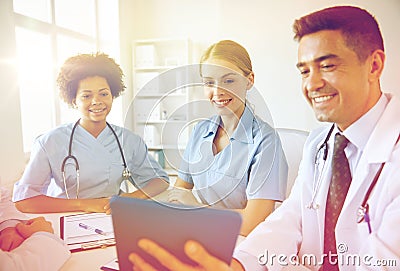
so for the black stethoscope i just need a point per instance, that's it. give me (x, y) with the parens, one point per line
(126, 174)
(363, 210)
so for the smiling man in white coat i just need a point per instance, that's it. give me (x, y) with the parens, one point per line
(341, 58)
(343, 212)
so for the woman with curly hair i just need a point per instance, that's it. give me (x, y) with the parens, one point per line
(78, 166)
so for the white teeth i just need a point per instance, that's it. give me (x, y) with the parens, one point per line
(322, 98)
(222, 102)
(97, 110)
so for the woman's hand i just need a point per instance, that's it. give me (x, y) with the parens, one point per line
(193, 250)
(10, 239)
(101, 205)
(182, 196)
(34, 225)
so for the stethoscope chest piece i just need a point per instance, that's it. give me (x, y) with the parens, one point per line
(313, 205)
(126, 174)
(362, 213)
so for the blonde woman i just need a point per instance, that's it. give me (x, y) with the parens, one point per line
(234, 159)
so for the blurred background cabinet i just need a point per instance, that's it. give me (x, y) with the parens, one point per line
(165, 82)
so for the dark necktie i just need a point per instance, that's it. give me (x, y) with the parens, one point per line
(340, 183)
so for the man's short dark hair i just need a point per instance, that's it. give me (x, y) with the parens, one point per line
(359, 28)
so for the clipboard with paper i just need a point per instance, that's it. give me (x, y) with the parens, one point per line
(87, 231)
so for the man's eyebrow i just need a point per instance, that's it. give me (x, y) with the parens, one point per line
(317, 60)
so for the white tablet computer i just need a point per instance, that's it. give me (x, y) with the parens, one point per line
(171, 226)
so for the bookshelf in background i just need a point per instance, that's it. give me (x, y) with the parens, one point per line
(161, 104)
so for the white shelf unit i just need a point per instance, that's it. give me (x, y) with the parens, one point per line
(161, 105)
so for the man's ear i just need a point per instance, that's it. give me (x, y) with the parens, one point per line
(377, 64)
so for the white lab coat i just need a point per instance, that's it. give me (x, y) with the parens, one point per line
(42, 251)
(293, 229)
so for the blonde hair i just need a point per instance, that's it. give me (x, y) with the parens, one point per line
(230, 51)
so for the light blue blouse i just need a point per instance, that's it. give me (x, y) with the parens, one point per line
(100, 164)
(252, 166)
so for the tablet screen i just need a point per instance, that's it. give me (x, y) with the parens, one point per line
(171, 226)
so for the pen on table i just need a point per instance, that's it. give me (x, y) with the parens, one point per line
(90, 228)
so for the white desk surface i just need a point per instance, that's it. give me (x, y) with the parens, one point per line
(83, 260)
(90, 259)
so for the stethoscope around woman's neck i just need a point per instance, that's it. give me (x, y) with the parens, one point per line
(126, 174)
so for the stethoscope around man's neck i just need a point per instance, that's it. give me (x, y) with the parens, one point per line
(126, 174)
(363, 210)
(317, 183)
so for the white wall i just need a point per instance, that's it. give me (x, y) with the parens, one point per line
(12, 155)
(264, 27)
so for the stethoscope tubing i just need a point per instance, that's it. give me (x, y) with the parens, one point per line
(317, 183)
(70, 156)
(126, 174)
(363, 210)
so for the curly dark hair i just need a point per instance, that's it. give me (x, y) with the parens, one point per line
(82, 66)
